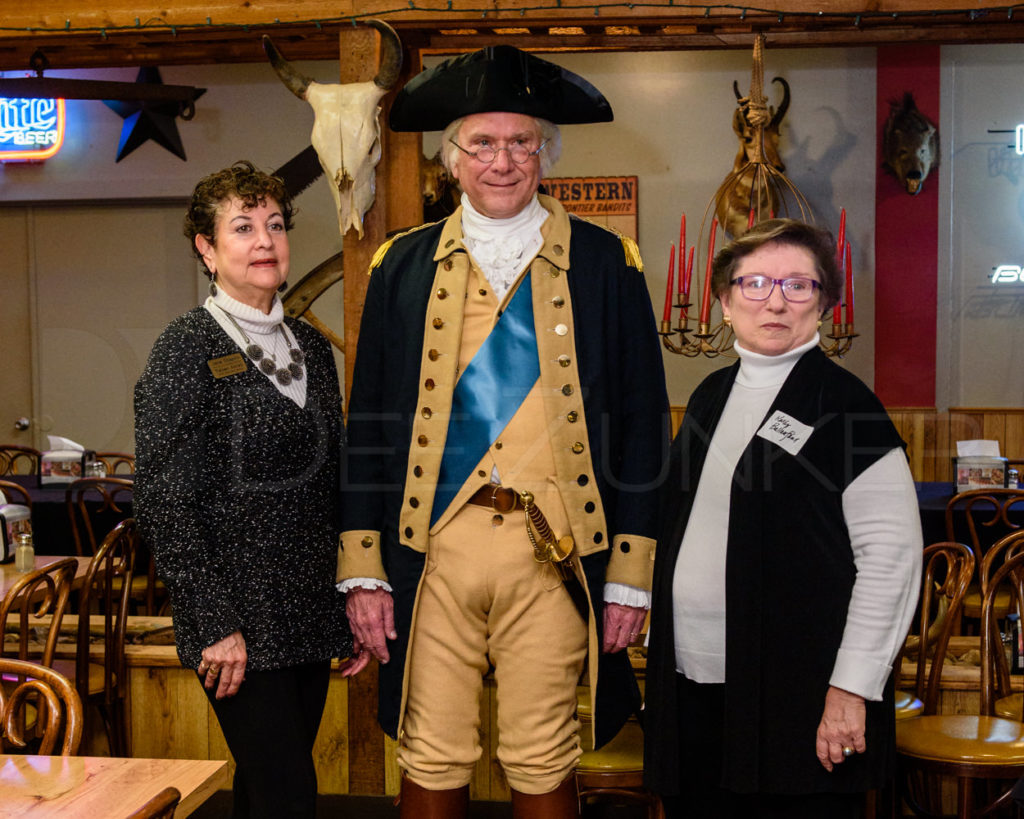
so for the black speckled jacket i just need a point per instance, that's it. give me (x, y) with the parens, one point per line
(237, 492)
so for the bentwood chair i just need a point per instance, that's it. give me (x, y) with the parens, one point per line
(117, 463)
(980, 517)
(95, 506)
(160, 806)
(19, 460)
(947, 571)
(615, 772)
(105, 597)
(54, 701)
(970, 748)
(34, 605)
(15, 493)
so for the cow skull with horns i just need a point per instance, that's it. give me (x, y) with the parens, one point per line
(346, 127)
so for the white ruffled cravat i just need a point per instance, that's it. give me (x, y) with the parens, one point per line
(503, 247)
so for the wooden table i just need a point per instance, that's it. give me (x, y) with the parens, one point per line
(91, 787)
(9, 575)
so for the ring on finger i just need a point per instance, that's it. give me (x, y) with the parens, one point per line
(848, 751)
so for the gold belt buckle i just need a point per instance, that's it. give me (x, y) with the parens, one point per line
(505, 496)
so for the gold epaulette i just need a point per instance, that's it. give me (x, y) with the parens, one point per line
(632, 252)
(381, 251)
(629, 246)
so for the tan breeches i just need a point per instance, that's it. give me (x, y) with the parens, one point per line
(485, 600)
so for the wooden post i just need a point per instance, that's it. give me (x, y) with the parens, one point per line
(398, 204)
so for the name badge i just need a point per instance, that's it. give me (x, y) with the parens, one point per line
(227, 365)
(785, 431)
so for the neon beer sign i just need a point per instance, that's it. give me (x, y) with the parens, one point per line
(30, 129)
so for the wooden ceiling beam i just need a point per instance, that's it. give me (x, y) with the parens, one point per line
(78, 34)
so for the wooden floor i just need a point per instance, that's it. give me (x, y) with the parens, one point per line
(383, 807)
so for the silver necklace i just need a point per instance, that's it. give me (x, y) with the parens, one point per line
(268, 365)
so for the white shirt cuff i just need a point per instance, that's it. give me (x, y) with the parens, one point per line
(627, 595)
(345, 586)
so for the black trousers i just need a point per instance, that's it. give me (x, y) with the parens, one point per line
(701, 711)
(270, 726)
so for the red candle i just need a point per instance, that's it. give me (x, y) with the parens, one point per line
(668, 287)
(837, 313)
(849, 284)
(842, 236)
(689, 271)
(682, 251)
(750, 219)
(705, 302)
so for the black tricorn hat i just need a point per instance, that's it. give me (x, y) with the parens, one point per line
(496, 78)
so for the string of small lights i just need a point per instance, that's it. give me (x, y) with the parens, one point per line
(856, 18)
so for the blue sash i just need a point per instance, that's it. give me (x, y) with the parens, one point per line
(488, 393)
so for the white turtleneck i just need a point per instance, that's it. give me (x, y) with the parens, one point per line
(880, 511)
(266, 330)
(503, 247)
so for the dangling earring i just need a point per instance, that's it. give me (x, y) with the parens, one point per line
(213, 284)
(727, 321)
(819, 324)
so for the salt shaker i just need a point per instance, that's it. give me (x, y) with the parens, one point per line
(25, 554)
(1012, 479)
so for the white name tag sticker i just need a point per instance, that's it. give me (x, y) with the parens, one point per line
(785, 431)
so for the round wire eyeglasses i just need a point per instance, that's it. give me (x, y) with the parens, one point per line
(517, 152)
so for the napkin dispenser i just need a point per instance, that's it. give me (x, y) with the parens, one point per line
(63, 465)
(15, 519)
(978, 465)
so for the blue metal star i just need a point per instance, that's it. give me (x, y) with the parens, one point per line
(148, 120)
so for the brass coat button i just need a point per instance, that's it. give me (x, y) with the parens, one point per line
(423, 440)
(577, 447)
(442, 293)
(559, 250)
(426, 412)
(481, 473)
(414, 502)
(448, 264)
(497, 520)
(498, 444)
(433, 355)
(582, 480)
(558, 301)
(417, 471)
(564, 361)
(572, 417)
(567, 389)
(438, 323)
(429, 384)
(408, 531)
(598, 537)
(589, 506)
(482, 292)
(367, 542)
(561, 329)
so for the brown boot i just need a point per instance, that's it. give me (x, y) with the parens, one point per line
(417, 802)
(561, 803)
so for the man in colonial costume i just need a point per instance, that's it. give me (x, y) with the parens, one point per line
(507, 430)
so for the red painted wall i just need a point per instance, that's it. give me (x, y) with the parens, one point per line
(906, 244)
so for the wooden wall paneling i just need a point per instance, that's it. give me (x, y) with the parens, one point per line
(1013, 443)
(993, 426)
(331, 749)
(365, 737)
(172, 700)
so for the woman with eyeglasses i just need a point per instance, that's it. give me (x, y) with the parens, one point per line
(788, 560)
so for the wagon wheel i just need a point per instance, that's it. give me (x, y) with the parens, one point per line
(298, 301)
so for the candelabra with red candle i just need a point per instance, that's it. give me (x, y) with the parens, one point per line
(712, 339)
